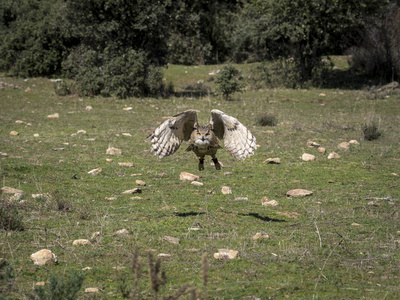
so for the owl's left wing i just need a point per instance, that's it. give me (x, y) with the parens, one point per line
(167, 137)
(238, 140)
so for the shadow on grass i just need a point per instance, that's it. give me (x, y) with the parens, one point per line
(190, 94)
(189, 214)
(262, 218)
(346, 79)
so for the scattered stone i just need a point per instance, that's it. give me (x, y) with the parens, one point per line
(3, 154)
(171, 240)
(89, 107)
(132, 191)
(227, 173)
(395, 174)
(344, 146)
(92, 290)
(118, 268)
(53, 116)
(269, 202)
(14, 133)
(135, 198)
(122, 232)
(331, 181)
(275, 160)
(188, 177)
(299, 193)
(95, 234)
(125, 164)
(113, 151)
(226, 190)
(17, 197)
(109, 160)
(86, 268)
(355, 224)
(241, 199)
(80, 242)
(41, 196)
(321, 150)
(126, 134)
(322, 94)
(198, 183)
(111, 198)
(312, 144)
(36, 135)
(10, 190)
(260, 235)
(354, 142)
(128, 108)
(95, 172)
(333, 155)
(140, 182)
(224, 254)
(27, 90)
(372, 203)
(40, 283)
(307, 157)
(44, 257)
(58, 149)
(164, 255)
(81, 132)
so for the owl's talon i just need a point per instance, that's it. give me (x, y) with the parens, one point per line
(201, 164)
(217, 164)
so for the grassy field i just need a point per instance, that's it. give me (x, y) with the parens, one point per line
(341, 242)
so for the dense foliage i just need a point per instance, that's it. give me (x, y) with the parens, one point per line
(115, 47)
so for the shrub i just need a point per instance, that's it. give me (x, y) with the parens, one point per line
(121, 73)
(371, 131)
(229, 81)
(60, 288)
(10, 219)
(6, 276)
(267, 119)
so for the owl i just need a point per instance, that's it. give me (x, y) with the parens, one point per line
(203, 140)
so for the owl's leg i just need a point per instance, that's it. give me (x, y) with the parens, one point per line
(216, 163)
(201, 163)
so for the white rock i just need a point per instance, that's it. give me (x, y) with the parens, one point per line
(81, 132)
(312, 144)
(226, 254)
(321, 150)
(19, 122)
(299, 193)
(128, 108)
(344, 146)
(113, 151)
(80, 242)
(275, 160)
(164, 255)
(307, 157)
(126, 134)
(95, 172)
(53, 116)
(95, 234)
(44, 257)
(125, 164)
(241, 199)
(333, 155)
(188, 176)
(140, 182)
(122, 232)
(36, 135)
(198, 183)
(226, 190)
(132, 191)
(10, 190)
(42, 196)
(92, 290)
(171, 240)
(89, 107)
(354, 142)
(260, 235)
(269, 203)
(14, 133)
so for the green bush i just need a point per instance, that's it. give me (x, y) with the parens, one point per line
(371, 131)
(10, 219)
(60, 288)
(267, 119)
(229, 81)
(120, 73)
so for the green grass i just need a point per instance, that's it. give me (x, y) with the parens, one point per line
(315, 248)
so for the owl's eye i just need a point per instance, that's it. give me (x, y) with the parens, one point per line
(198, 133)
(207, 134)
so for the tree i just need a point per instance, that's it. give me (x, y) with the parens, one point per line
(229, 81)
(307, 29)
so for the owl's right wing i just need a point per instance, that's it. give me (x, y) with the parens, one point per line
(167, 137)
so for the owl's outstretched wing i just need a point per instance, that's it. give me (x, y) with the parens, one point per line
(238, 140)
(167, 137)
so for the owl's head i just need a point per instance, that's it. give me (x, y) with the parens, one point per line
(202, 135)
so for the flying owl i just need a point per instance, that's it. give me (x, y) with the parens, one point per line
(203, 140)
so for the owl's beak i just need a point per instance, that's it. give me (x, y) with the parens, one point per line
(202, 138)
